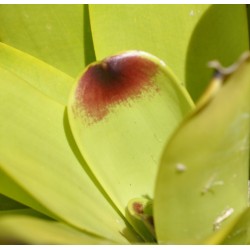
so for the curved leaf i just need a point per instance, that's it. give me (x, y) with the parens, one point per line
(162, 30)
(121, 112)
(36, 154)
(239, 233)
(53, 33)
(234, 233)
(216, 35)
(184, 36)
(27, 227)
(8, 204)
(50, 81)
(202, 182)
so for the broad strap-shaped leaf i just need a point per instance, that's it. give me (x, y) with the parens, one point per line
(234, 233)
(10, 188)
(186, 37)
(121, 112)
(55, 34)
(50, 81)
(202, 183)
(38, 154)
(29, 227)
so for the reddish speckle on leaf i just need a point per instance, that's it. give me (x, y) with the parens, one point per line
(113, 81)
(138, 207)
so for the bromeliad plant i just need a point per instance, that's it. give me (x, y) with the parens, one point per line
(120, 153)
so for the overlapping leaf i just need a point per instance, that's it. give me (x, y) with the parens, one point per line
(48, 80)
(9, 204)
(39, 161)
(29, 227)
(56, 34)
(202, 182)
(186, 37)
(120, 129)
(121, 112)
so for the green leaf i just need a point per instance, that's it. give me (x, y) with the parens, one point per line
(13, 190)
(28, 227)
(121, 112)
(239, 233)
(37, 153)
(9, 204)
(221, 33)
(202, 183)
(184, 36)
(56, 34)
(235, 233)
(50, 81)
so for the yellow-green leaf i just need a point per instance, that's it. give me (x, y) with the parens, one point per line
(8, 204)
(56, 34)
(239, 233)
(202, 183)
(184, 36)
(121, 112)
(38, 154)
(28, 227)
(50, 81)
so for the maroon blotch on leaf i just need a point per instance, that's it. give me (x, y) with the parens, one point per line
(113, 81)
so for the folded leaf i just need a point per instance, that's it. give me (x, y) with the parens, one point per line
(27, 227)
(122, 111)
(202, 182)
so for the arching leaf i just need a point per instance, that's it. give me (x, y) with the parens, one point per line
(121, 112)
(48, 80)
(186, 37)
(202, 182)
(57, 34)
(38, 154)
(28, 227)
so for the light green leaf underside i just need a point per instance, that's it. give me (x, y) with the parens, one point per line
(50, 81)
(123, 149)
(53, 33)
(186, 37)
(203, 173)
(36, 155)
(28, 227)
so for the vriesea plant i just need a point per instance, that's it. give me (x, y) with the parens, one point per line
(102, 142)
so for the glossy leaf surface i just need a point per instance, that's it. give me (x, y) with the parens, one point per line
(121, 112)
(202, 182)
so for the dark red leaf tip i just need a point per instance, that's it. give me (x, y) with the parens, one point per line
(114, 81)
